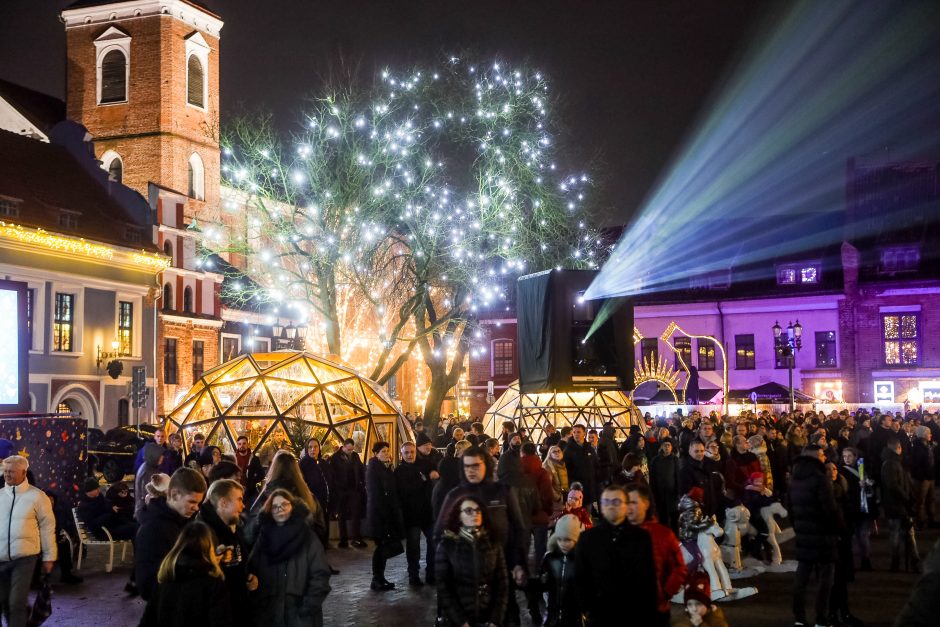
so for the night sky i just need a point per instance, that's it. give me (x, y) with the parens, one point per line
(633, 76)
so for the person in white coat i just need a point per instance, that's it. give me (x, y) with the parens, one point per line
(27, 530)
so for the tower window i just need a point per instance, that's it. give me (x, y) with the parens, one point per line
(188, 299)
(168, 298)
(114, 77)
(197, 178)
(116, 171)
(195, 82)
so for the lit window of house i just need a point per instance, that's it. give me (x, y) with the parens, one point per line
(900, 333)
(809, 274)
(899, 259)
(786, 275)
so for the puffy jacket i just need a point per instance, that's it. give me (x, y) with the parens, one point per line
(152, 452)
(813, 511)
(581, 461)
(922, 460)
(472, 580)
(671, 571)
(535, 493)
(664, 482)
(559, 579)
(27, 524)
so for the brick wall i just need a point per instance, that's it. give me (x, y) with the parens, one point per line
(481, 367)
(184, 334)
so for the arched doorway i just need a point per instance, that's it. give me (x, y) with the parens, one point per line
(76, 398)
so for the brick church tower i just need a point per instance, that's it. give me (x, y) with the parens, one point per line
(143, 78)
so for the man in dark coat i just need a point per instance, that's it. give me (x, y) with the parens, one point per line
(697, 471)
(427, 454)
(413, 482)
(608, 458)
(923, 472)
(160, 524)
(348, 475)
(221, 511)
(581, 462)
(617, 574)
(896, 502)
(506, 527)
(815, 519)
(876, 445)
(551, 438)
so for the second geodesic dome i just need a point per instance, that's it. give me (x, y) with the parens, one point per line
(591, 408)
(281, 398)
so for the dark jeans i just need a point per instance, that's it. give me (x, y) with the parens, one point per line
(901, 532)
(15, 577)
(413, 550)
(349, 508)
(803, 571)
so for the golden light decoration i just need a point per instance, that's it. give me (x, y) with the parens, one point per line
(151, 261)
(280, 399)
(645, 371)
(592, 408)
(667, 335)
(39, 237)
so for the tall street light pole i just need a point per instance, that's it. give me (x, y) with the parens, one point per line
(787, 346)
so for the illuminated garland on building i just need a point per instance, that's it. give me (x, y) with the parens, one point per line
(78, 246)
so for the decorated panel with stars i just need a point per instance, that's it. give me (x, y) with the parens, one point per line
(56, 449)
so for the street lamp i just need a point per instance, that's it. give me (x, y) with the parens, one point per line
(787, 346)
(115, 365)
(290, 335)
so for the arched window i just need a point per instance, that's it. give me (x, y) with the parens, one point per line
(114, 77)
(168, 250)
(195, 82)
(116, 170)
(188, 299)
(168, 297)
(197, 178)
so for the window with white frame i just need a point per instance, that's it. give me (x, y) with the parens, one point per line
(197, 71)
(502, 358)
(231, 346)
(113, 60)
(112, 163)
(65, 335)
(197, 178)
(128, 316)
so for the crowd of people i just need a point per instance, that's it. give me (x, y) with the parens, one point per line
(573, 528)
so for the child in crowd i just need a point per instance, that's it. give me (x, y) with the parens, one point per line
(755, 497)
(575, 507)
(558, 574)
(698, 605)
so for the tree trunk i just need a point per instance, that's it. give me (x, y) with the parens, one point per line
(327, 296)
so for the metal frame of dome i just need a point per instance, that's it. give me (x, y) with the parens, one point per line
(261, 395)
(563, 409)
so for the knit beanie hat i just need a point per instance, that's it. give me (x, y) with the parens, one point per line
(754, 477)
(568, 526)
(89, 484)
(158, 485)
(698, 589)
(422, 439)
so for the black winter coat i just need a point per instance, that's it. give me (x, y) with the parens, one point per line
(923, 606)
(922, 460)
(95, 513)
(234, 562)
(581, 461)
(472, 579)
(616, 575)
(779, 455)
(896, 493)
(704, 475)
(316, 476)
(383, 511)
(813, 511)
(502, 504)
(414, 494)
(559, 579)
(194, 597)
(160, 526)
(664, 482)
(347, 472)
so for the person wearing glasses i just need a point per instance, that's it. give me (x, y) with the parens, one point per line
(290, 565)
(617, 571)
(472, 580)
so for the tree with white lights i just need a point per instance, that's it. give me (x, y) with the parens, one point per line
(401, 211)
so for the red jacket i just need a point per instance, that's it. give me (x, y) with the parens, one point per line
(670, 567)
(531, 465)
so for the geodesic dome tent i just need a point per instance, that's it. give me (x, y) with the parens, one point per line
(282, 398)
(591, 408)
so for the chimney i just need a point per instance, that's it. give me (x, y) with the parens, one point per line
(851, 261)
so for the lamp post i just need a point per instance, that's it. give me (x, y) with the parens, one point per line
(292, 337)
(787, 346)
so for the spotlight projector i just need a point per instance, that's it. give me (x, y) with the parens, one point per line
(561, 349)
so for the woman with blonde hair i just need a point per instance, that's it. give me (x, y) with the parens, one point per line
(289, 561)
(190, 586)
(284, 474)
(554, 464)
